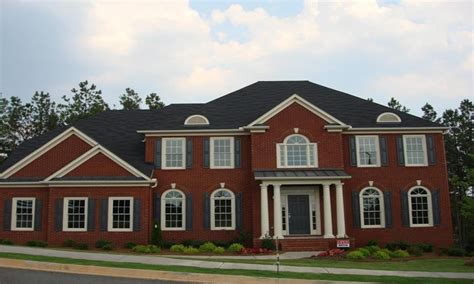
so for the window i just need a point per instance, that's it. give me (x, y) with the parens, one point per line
(173, 211)
(196, 120)
(388, 117)
(372, 208)
(222, 152)
(23, 217)
(75, 214)
(120, 214)
(368, 154)
(415, 150)
(174, 153)
(222, 210)
(419, 203)
(297, 152)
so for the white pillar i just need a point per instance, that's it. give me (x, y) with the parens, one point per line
(264, 210)
(327, 212)
(277, 211)
(341, 221)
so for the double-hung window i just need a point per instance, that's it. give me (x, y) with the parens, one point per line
(222, 210)
(297, 152)
(173, 211)
(222, 152)
(415, 150)
(174, 153)
(75, 214)
(368, 153)
(120, 216)
(23, 214)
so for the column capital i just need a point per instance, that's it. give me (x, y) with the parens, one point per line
(263, 185)
(277, 185)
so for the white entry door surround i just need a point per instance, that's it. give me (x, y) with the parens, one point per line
(314, 216)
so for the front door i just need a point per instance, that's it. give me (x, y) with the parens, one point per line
(298, 214)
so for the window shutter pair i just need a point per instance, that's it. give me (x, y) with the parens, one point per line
(189, 210)
(58, 214)
(435, 207)
(430, 148)
(356, 210)
(382, 149)
(238, 211)
(188, 149)
(237, 152)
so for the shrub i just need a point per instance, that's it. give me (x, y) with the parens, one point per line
(130, 245)
(146, 249)
(41, 244)
(268, 243)
(373, 249)
(219, 250)
(190, 250)
(167, 245)
(372, 243)
(207, 247)
(381, 255)
(7, 242)
(235, 248)
(364, 251)
(399, 253)
(245, 238)
(397, 245)
(453, 251)
(414, 250)
(425, 247)
(108, 246)
(355, 255)
(81, 246)
(177, 248)
(102, 243)
(69, 243)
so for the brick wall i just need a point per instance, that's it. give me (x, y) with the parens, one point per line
(99, 165)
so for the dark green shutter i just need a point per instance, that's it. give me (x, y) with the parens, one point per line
(404, 207)
(237, 150)
(400, 151)
(136, 214)
(238, 211)
(189, 212)
(38, 215)
(7, 214)
(355, 209)
(353, 151)
(158, 153)
(387, 202)
(206, 157)
(91, 215)
(383, 151)
(436, 207)
(104, 212)
(189, 153)
(430, 146)
(207, 212)
(157, 209)
(59, 214)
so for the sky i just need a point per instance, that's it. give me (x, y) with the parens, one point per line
(195, 51)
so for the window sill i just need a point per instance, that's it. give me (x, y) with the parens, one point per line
(23, 229)
(421, 226)
(173, 229)
(75, 230)
(368, 166)
(416, 165)
(373, 227)
(223, 229)
(119, 230)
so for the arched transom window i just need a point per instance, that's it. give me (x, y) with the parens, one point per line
(297, 152)
(420, 206)
(173, 210)
(372, 208)
(222, 210)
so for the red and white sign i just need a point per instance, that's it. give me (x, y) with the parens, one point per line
(343, 244)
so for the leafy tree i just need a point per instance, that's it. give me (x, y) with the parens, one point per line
(44, 116)
(130, 100)
(154, 102)
(393, 103)
(85, 102)
(429, 113)
(370, 99)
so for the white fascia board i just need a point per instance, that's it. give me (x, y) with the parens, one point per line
(181, 131)
(365, 130)
(45, 148)
(294, 179)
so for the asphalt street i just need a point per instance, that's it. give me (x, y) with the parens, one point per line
(22, 276)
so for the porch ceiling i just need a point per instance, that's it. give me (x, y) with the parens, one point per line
(295, 174)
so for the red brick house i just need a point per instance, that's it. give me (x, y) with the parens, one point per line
(291, 159)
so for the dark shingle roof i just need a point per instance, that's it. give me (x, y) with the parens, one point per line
(300, 174)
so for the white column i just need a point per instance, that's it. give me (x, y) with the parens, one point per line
(277, 211)
(341, 221)
(264, 210)
(327, 212)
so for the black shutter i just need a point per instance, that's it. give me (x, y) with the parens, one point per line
(91, 215)
(104, 212)
(7, 215)
(355, 209)
(38, 211)
(383, 151)
(436, 207)
(205, 148)
(238, 211)
(353, 151)
(237, 147)
(400, 151)
(207, 211)
(430, 147)
(404, 206)
(387, 202)
(158, 153)
(189, 212)
(157, 209)
(136, 214)
(59, 215)
(189, 153)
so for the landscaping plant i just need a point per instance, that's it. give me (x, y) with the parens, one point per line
(177, 248)
(219, 250)
(207, 247)
(190, 250)
(381, 255)
(129, 245)
(235, 248)
(355, 255)
(146, 249)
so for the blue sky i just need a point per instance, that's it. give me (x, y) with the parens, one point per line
(195, 51)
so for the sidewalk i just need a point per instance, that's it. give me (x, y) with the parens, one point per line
(158, 260)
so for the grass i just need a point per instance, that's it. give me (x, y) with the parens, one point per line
(253, 273)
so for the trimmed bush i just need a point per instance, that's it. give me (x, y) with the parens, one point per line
(414, 250)
(235, 248)
(355, 255)
(130, 245)
(399, 253)
(108, 246)
(219, 250)
(268, 244)
(7, 242)
(37, 244)
(146, 249)
(425, 247)
(207, 247)
(81, 246)
(69, 243)
(381, 255)
(372, 243)
(453, 251)
(102, 243)
(177, 248)
(364, 251)
(193, 243)
(397, 245)
(190, 250)
(373, 249)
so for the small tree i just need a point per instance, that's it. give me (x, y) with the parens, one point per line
(43, 113)
(429, 113)
(393, 103)
(154, 102)
(130, 100)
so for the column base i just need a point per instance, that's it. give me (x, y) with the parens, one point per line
(279, 237)
(329, 236)
(342, 236)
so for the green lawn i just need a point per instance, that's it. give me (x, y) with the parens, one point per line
(254, 273)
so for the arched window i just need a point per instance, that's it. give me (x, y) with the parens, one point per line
(388, 117)
(173, 204)
(420, 207)
(196, 119)
(222, 210)
(297, 152)
(372, 208)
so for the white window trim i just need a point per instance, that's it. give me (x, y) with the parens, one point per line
(65, 214)
(232, 153)
(13, 219)
(163, 153)
(361, 209)
(163, 212)
(377, 151)
(423, 144)
(187, 121)
(280, 166)
(385, 114)
(213, 227)
(110, 215)
(430, 208)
